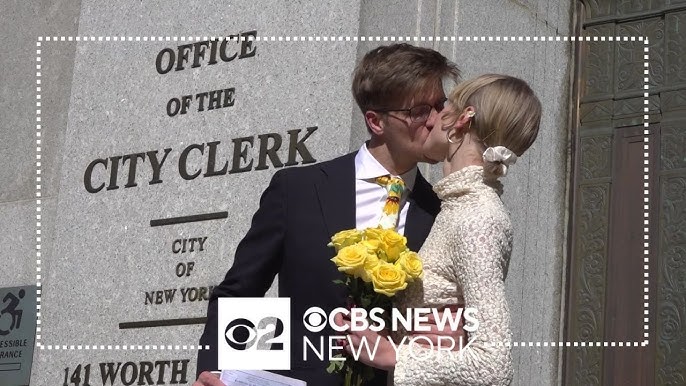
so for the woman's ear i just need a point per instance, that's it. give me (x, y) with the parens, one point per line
(463, 121)
(374, 122)
(470, 111)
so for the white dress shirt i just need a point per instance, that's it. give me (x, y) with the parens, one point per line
(371, 197)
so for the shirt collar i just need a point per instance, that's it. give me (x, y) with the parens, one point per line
(367, 167)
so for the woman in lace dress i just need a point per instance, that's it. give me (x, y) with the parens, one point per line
(488, 122)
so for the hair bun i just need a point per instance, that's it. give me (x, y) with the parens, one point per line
(501, 155)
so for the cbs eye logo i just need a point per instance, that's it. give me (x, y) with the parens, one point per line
(254, 333)
(315, 319)
(242, 334)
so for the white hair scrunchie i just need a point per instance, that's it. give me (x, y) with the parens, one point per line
(502, 155)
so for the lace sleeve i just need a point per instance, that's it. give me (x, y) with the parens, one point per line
(479, 250)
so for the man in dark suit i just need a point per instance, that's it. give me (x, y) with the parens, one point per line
(399, 90)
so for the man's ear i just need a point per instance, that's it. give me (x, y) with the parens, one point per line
(375, 122)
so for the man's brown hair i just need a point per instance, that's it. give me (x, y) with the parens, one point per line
(388, 76)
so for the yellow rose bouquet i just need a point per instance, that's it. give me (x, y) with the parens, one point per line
(378, 265)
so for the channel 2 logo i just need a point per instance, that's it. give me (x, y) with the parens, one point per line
(254, 334)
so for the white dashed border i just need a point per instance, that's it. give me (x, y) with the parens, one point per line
(646, 191)
(646, 163)
(38, 193)
(347, 38)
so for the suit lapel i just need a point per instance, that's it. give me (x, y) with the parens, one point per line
(336, 193)
(424, 206)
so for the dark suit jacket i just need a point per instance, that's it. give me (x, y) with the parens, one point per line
(298, 213)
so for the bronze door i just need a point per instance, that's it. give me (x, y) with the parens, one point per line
(606, 291)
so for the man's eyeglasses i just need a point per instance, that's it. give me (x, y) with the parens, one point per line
(419, 113)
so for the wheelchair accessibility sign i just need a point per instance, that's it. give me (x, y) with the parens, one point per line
(17, 334)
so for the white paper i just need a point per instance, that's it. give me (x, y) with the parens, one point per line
(257, 378)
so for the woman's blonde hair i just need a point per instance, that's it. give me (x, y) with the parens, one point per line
(507, 113)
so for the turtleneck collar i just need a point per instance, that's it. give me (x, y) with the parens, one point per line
(470, 179)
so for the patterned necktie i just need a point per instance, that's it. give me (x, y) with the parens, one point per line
(391, 209)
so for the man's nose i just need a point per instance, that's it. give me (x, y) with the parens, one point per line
(433, 117)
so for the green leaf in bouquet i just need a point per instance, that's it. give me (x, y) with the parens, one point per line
(339, 281)
(335, 366)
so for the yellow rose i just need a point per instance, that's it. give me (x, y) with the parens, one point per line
(351, 259)
(412, 265)
(373, 246)
(369, 264)
(373, 233)
(345, 238)
(395, 245)
(388, 279)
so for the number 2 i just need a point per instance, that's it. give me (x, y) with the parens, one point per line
(274, 328)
